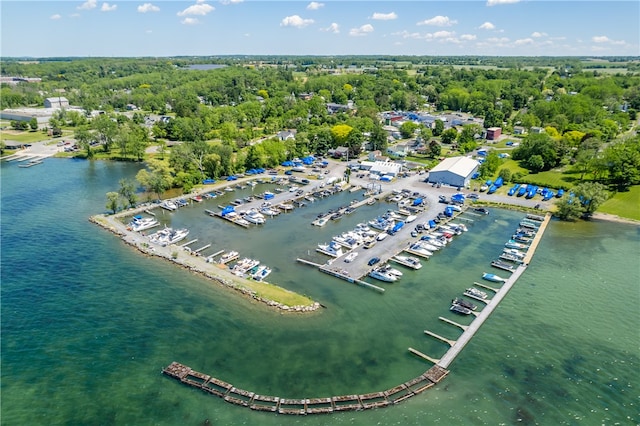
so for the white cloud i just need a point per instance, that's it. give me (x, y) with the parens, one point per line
(362, 31)
(295, 21)
(498, 2)
(523, 41)
(439, 21)
(148, 7)
(384, 16)
(88, 5)
(314, 5)
(498, 40)
(190, 21)
(468, 37)
(407, 34)
(487, 26)
(228, 2)
(537, 34)
(55, 17)
(443, 34)
(106, 7)
(601, 39)
(200, 9)
(333, 28)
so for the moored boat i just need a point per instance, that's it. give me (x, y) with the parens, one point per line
(460, 309)
(474, 292)
(332, 249)
(383, 276)
(464, 303)
(350, 257)
(139, 223)
(408, 261)
(492, 277)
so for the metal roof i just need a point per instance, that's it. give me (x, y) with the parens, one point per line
(461, 166)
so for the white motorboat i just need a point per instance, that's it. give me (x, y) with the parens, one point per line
(169, 205)
(262, 272)
(255, 217)
(381, 236)
(408, 261)
(139, 223)
(332, 249)
(229, 256)
(475, 293)
(321, 221)
(418, 249)
(383, 276)
(390, 270)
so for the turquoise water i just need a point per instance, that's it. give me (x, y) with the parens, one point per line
(88, 323)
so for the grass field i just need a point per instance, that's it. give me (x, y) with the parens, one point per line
(624, 204)
(23, 137)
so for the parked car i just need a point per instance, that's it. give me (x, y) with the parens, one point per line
(473, 196)
(373, 261)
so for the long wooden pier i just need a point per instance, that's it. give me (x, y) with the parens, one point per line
(305, 406)
(491, 304)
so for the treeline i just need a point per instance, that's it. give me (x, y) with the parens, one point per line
(218, 114)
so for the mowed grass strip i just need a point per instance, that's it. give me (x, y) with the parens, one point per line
(624, 204)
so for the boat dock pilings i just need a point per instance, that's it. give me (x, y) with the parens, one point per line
(188, 243)
(305, 406)
(423, 356)
(495, 290)
(439, 337)
(211, 256)
(448, 321)
(202, 248)
(327, 270)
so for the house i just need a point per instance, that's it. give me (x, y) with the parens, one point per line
(286, 135)
(454, 171)
(493, 133)
(536, 130)
(333, 108)
(400, 150)
(131, 107)
(339, 152)
(56, 102)
(305, 96)
(519, 130)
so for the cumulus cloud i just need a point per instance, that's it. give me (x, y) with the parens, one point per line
(537, 34)
(499, 2)
(439, 21)
(498, 40)
(295, 21)
(227, 2)
(407, 34)
(106, 7)
(607, 40)
(384, 16)
(523, 41)
(55, 17)
(314, 5)
(443, 34)
(487, 26)
(333, 28)
(190, 21)
(361, 31)
(88, 5)
(148, 7)
(468, 37)
(200, 9)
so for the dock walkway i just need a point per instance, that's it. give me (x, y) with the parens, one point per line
(305, 406)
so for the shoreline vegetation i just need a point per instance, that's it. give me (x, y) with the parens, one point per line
(270, 294)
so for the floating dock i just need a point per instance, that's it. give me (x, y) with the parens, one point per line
(305, 406)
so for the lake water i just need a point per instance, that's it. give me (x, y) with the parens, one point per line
(88, 323)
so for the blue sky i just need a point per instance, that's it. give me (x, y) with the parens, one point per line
(329, 27)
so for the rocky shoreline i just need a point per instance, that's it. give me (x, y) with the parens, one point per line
(192, 263)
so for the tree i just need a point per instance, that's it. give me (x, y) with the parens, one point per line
(591, 196)
(113, 199)
(505, 174)
(128, 191)
(568, 208)
(378, 138)
(157, 178)
(435, 149)
(449, 135)
(83, 139)
(407, 128)
(33, 123)
(535, 163)
(438, 127)
(340, 133)
(490, 165)
(106, 130)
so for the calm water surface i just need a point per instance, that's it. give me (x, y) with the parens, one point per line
(88, 323)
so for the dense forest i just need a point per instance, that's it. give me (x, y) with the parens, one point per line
(218, 114)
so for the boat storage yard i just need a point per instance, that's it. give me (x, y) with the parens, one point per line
(355, 270)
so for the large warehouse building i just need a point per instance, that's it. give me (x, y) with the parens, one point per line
(454, 171)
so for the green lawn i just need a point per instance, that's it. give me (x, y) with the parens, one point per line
(24, 137)
(624, 204)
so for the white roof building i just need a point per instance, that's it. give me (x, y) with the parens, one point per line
(385, 168)
(454, 171)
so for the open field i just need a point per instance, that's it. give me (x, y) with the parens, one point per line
(624, 204)
(23, 137)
